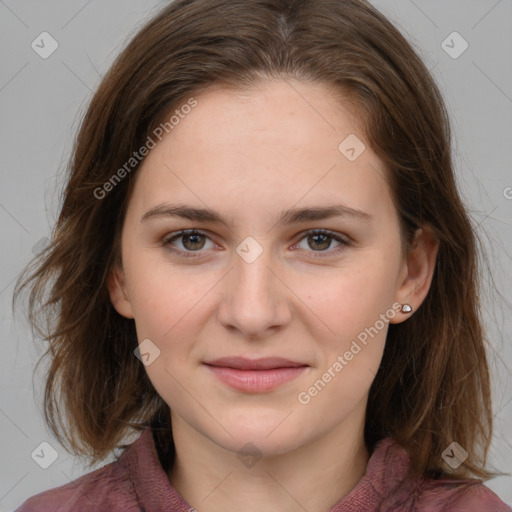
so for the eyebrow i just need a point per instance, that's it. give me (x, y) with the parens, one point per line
(287, 217)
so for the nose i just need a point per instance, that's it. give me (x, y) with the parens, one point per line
(255, 298)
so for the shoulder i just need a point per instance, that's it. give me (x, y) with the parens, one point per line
(388, 472)
(106, 488)
(459, 496)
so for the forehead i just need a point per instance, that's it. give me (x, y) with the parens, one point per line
(277, 143)
(287, 114)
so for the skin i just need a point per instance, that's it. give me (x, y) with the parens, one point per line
(249, 156)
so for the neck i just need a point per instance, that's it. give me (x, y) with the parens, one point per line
(311, 477)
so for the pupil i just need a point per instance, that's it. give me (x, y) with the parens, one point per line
(316, 237)
(193, 240)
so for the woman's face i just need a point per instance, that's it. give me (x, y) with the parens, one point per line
(260, 284)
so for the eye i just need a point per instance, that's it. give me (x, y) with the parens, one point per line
(190, 239)
(320, 240)
(317, 240)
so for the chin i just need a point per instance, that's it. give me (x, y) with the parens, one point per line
(266, 436)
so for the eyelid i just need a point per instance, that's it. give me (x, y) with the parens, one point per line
(344, 240)
(176, 235)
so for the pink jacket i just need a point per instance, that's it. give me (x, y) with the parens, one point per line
(137, 482)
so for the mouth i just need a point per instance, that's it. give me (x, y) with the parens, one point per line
(255, 375)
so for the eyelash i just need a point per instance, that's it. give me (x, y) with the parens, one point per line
(190, 254)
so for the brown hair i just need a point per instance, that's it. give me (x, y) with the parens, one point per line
(432, 387)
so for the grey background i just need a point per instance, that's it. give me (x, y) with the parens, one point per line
(41, 101)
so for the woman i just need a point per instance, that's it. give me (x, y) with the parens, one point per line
(263, 263)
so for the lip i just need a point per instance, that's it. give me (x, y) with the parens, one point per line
(262, 363)
(255, 375)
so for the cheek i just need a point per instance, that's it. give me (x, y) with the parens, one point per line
(347, 300)
(166, 306)
(350, 325)
(163, 295)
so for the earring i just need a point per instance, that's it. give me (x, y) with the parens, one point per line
(406, 308)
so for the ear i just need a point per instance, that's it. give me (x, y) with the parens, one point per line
(417, 272)
(118, 295)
